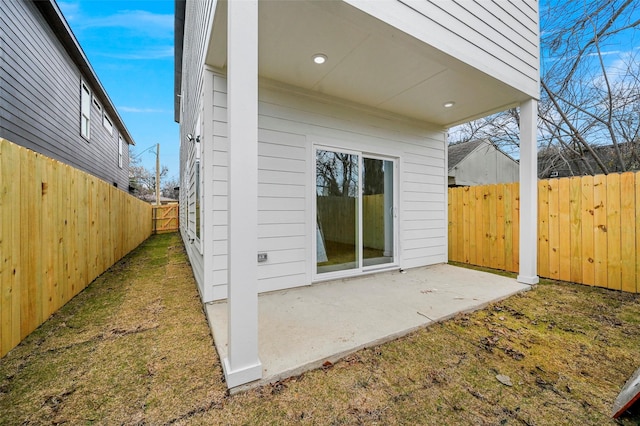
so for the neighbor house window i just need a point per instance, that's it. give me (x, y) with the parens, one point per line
(106, 122)
(85, 110)
(120, 151)
(96, 104)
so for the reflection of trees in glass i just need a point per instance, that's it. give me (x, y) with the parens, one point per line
(336, 174)
(373, 177)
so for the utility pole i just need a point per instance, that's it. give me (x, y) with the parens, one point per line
(157, 174)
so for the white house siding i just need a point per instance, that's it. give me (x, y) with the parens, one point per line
(217, 183)
(498, 37)
(423, 212)
(290, 123)
(198, 18)
(486, 165)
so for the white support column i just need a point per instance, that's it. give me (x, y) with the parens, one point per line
(242, 364)
(528, 192)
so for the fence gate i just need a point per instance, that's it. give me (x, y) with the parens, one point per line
(165, 218)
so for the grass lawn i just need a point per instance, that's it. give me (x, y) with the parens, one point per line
(135, 348)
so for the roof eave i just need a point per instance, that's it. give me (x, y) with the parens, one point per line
(56, 20)
(178, 45)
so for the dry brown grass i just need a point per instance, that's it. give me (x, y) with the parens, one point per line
(134, 348)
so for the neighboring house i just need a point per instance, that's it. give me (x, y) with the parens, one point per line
(554, 163)
(480, 163)
(51, 100)
(313, 138)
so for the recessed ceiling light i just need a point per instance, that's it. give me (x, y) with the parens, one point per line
(319, 58)
(448, 104)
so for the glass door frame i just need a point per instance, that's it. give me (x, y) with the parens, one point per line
(360, 270)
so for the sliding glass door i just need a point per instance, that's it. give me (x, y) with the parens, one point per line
(377, 211)
(337, 204)
(354, 211)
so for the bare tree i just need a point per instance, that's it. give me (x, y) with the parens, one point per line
(143, 180)
(589, 112)
(501, 129)
(337, 174)
(170, 188)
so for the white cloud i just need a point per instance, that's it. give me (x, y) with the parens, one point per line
(573, 57)
(156, 52)
(69, 9)
(139, 34)
(140, 21)
(606, 53)
(140, 110)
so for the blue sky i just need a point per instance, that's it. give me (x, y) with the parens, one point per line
(130, 47)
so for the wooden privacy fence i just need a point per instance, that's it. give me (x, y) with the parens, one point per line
(338, 218)
(484, 225)
(165, 218)
(588, 229)
(59, 229)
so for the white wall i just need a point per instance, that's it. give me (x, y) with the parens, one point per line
(499, 38)
(198, 18)
(290, 123)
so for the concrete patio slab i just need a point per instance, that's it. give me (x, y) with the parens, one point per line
(301, 328)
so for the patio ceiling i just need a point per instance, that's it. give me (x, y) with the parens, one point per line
(368, 62)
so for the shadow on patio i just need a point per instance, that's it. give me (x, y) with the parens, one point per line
(303, 328)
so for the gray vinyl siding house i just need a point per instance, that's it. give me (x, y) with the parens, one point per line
(44, 77)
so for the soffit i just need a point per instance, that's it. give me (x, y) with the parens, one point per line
(369, 62)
